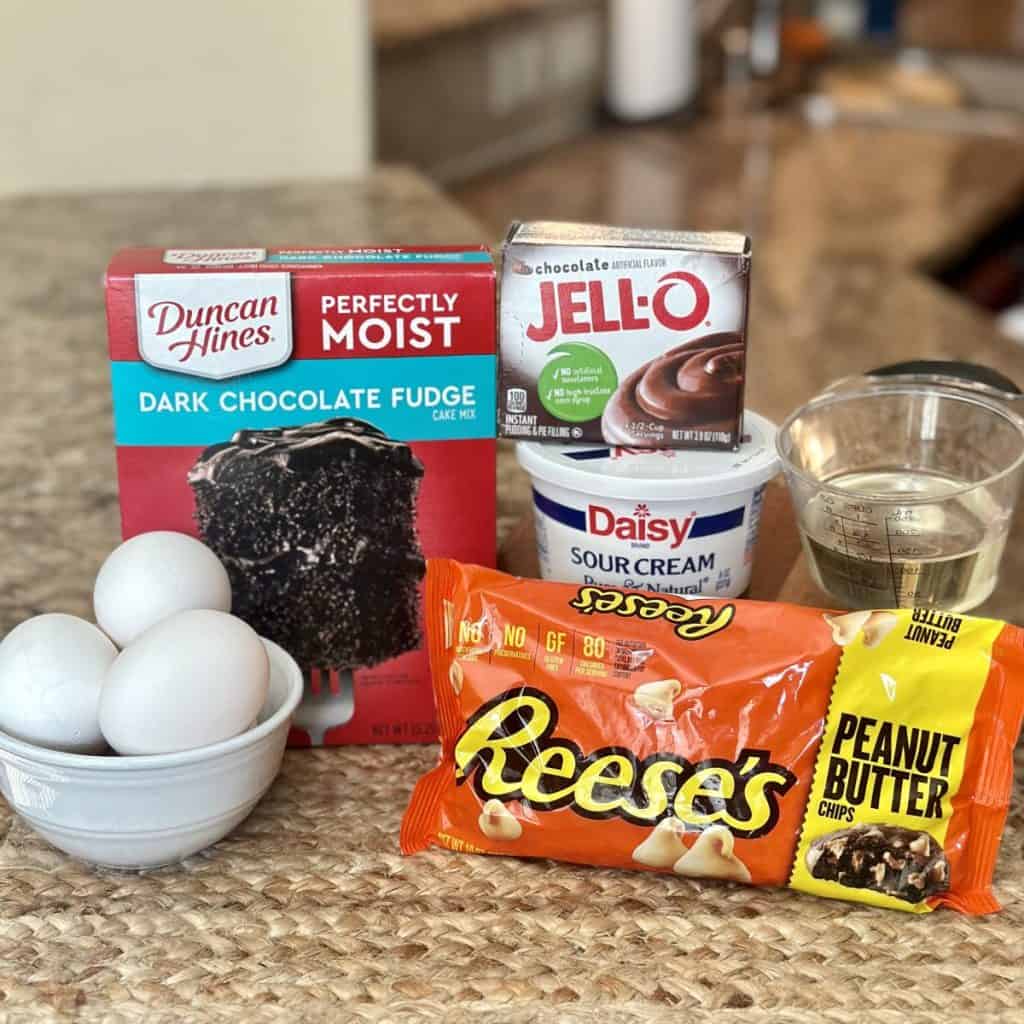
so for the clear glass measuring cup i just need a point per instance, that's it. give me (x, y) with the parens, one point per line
(904, 486)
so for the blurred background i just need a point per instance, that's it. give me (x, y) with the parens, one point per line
(668, 112)
(679, 113)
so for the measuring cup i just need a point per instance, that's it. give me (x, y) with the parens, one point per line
(904, 486)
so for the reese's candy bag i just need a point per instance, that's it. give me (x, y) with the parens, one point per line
(865, 756)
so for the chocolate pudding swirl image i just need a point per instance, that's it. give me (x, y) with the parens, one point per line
(695, 386)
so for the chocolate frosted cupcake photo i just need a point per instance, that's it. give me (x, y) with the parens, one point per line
(316, 526)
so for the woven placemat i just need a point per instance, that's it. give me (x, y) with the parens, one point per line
(309, 911)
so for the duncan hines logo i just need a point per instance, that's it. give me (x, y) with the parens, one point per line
(214, 325)
(680, 302)
(641, 526)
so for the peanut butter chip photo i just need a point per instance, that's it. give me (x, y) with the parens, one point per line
(878, 627)
(711, 856)
(656, 698)
(846, 627)
(496, 821)
(663, 847)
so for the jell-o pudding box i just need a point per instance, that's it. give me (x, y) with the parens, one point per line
(631, 337)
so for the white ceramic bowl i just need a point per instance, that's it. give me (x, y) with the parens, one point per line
(141, 812)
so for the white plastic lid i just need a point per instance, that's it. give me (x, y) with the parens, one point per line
(663, 473)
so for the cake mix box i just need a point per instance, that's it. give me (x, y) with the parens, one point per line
(631, 337)
(324, 420)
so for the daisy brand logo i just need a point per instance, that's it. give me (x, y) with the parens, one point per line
(640, 526)
(214, 325)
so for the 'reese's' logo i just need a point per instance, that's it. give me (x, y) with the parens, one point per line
(214, 325)
(511, 751)
(584, 307)
(691, 621)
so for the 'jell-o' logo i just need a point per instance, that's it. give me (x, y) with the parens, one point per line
(583, 307)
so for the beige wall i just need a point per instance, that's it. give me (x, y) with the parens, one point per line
(101, 94)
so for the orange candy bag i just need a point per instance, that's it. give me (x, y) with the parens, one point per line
(865, 756)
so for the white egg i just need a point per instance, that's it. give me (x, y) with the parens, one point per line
(52, 668)
(196, 678)
(155, 575)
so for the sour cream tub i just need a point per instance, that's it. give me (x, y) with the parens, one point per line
(679, 522)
